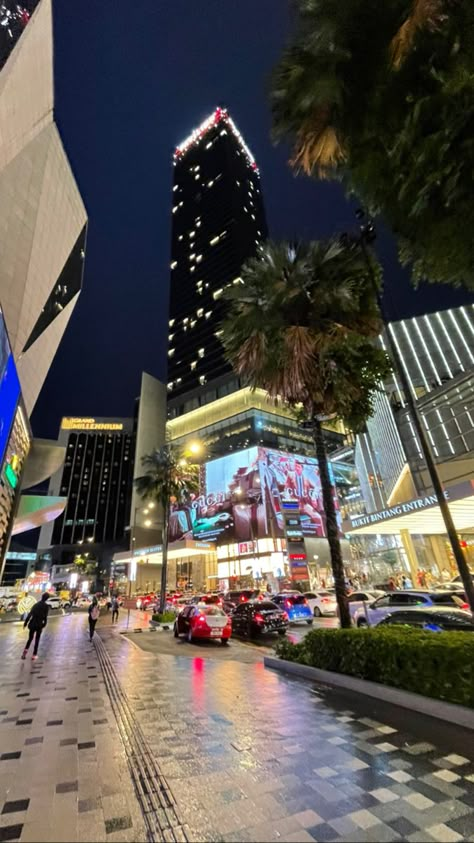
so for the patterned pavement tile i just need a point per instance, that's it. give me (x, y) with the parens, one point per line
(248, 754)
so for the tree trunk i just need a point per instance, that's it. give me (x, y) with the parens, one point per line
(164, 563)
(331, 526)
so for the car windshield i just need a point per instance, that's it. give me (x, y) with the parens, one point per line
(266, 606)
(296, 600)
(325, 594)
(211, 610)
(209, 598)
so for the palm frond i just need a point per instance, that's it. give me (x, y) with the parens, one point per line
(425, 14)
(318, 149)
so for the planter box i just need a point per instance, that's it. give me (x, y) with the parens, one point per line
(458, 714)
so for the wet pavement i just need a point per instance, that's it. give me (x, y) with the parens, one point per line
(239, 752)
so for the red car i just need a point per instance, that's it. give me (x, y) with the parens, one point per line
(147, 601)
(203, 621)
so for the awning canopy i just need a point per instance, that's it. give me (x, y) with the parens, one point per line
(420, 516)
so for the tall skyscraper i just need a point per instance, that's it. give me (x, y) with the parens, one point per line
(218, 223)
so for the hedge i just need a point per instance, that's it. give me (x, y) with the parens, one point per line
(439, 665)
(166, 617)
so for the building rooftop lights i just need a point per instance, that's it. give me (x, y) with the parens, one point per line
(217, 116)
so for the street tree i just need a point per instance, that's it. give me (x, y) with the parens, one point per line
(303, 326)
(381, 96)
(169, 478)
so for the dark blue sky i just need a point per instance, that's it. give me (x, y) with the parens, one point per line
(132, 79)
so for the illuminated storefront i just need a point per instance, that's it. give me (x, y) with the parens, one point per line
(15, 440)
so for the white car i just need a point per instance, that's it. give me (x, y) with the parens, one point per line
(383, 606)
(55, 602)
(357, 599)
(321, 603)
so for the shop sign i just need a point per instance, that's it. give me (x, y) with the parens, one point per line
(395, 511)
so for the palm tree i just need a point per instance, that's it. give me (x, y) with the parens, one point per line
(381, 96)
(168, 477)
(302, 326)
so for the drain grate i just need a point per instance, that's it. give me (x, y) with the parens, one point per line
(153, 792)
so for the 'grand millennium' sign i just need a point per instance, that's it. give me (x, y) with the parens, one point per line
(89, 424)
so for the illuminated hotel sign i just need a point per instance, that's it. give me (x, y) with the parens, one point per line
(89, 424)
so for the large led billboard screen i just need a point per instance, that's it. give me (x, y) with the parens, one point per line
(9, 389)
(242, 498)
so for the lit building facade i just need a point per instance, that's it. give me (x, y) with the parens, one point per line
(15, 441)
(42, 215)
(437, 353)
(96, 481)
(218, 223)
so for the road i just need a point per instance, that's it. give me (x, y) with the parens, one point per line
(247, 754)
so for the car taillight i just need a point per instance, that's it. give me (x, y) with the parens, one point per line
(259, 618)
(201, 619)
(464, 606)
(325, 599)
(243, 598)
(305, 601)
(287, 603)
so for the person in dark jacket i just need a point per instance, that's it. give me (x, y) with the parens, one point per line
(36, 620)
(94, 612)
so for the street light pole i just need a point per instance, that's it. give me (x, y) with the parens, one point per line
(367, 236)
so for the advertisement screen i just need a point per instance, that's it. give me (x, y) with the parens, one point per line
(9, 395)
(243, 496)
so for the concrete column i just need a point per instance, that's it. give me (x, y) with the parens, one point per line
(410, 551)
(439, 553)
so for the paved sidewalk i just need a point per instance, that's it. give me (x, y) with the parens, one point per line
(231, 752)
(251, 755)
(63, 769)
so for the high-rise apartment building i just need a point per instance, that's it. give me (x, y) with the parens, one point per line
(218, 223)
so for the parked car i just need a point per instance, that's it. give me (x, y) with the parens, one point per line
(357, 599)
(321, 602)
(243, 594)
(255, 618)
(383, 606)
(432, 619)
(295, 605)
(203, 621)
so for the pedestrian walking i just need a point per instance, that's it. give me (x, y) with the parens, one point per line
(115, 609)
(36, 620)
(94, 612)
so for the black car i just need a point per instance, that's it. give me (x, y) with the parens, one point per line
(253, 619)
(431, 619)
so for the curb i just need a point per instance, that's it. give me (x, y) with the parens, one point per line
(451, 712)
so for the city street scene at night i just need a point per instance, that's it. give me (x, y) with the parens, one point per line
(236, 421)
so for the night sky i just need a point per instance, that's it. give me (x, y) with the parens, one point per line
(132, 80)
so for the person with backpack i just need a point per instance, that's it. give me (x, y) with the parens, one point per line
(94, 612)
(115, 609)
(36, 620)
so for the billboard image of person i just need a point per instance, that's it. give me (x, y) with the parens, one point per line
(294, 478)
(242, 496)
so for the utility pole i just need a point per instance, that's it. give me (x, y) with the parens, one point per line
(364, 241)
